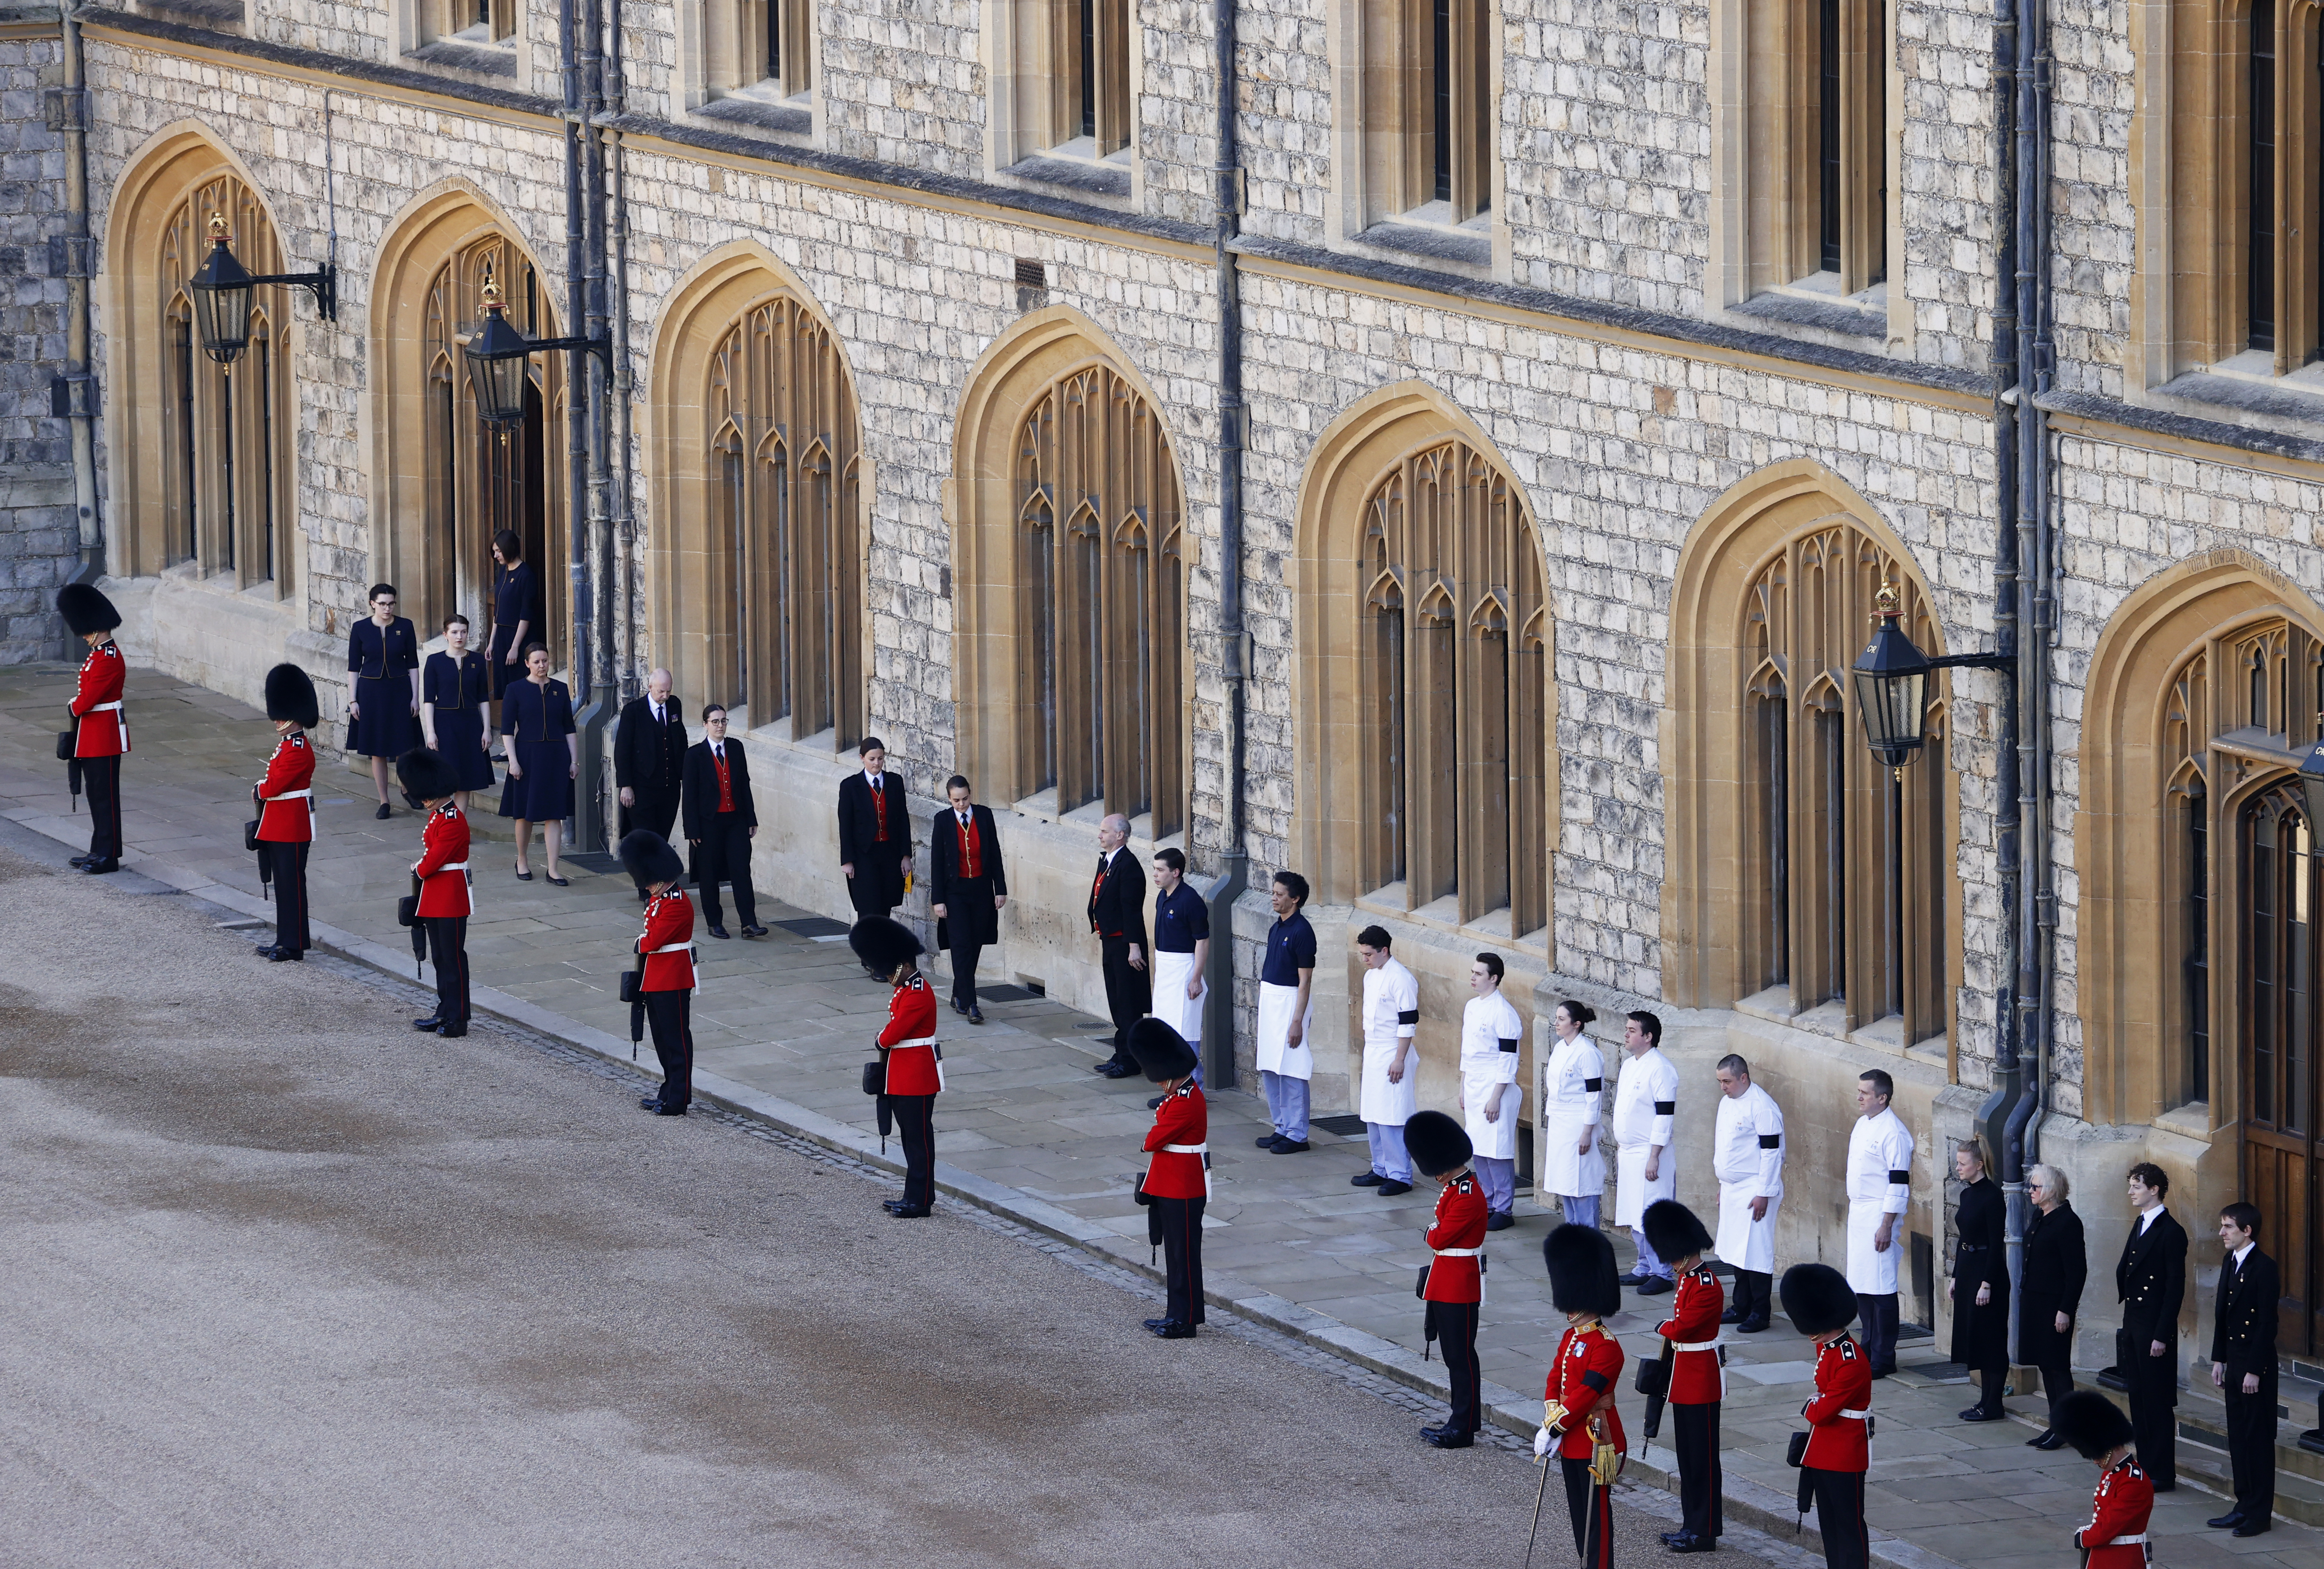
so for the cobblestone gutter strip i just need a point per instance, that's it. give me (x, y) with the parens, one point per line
(1381, 1366)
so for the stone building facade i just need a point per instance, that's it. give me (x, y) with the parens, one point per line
(1597, 369)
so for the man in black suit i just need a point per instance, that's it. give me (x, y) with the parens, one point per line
(2243, 1367)
(968, 887)
(2151, 1281)
(1117, 914)
(875, 837)
(721, 819)
(649, 759)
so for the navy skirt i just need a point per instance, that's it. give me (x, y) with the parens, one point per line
(460, 737)
(385, 725)
(545, 793)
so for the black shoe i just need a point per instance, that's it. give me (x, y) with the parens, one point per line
(292, 955)
(1887, 1372)
(99, 868)
(78, 862)
(1156, 1325)
(975, 1014)
(751, 929)
(1388, 1189)
(1173, 1330)
(265, 950)
(2048, 1439)
(1689, 1543)
(1268, 1142)
(1366, 1179)
(670, 1111)
(1634, 1279)
(715, 929)
(2227, 1522)
(1654, 1286)
(1295, 1147)
(1444, 1438)
(1117, 1070)
(1730, 1316)
(643, 896)
(452, 1031)
(1499, 1220)
(1977, 1414)
(892, 1205)
(1751, 1326)
(2251, 1528)
(649, 1103)
(430, 1023)
(1155, 1104)
(909, 1212)
(960, 1007)
(1670, 1539)
(384, 812)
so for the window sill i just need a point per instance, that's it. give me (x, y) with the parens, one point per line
(222, 15)
(2191, 1120)
(1443, 915)
(1816, 303)
(1470, 249)
(780, 116)
(484, 62)
(1041, 806)
(1082, 176)
(1829, 1019)
(2239, 394)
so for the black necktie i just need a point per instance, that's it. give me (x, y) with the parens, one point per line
(964, 822)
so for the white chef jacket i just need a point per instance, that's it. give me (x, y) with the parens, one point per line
(1646, 1103)
(1880, 1183)
(1490, 1035)
(1573, 1082)
(1746, 1156)
(1390, 1017)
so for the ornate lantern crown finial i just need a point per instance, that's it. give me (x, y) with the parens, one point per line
(492, 293)
(218, 228)
(1887, 601)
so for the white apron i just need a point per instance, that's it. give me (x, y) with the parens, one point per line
(1743, 1242)
(1871, 1273)
(1275, 1005)
(1562, 1169)
(1171, 1004)
(1382, 1102)
(1495, 1140)
(1632, 1192)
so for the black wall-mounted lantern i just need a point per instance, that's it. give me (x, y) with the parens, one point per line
(222, 295)
(498, 356)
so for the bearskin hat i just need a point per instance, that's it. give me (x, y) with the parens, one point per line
(2092, 1423)
(883, 943)
(1817, 1298)
(1436, 1143)
(649, 860)
(86, 610)
(425, 775)
(1673, 1229)
(1160, 1050)
(1581, 1264)
(289, 695)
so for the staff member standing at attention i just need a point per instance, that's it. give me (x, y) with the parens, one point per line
(1879, 1187)
(1490, 1035)
(1820, 1301)
(1980, 1285)
(2124, 1503)
(2150, 1279)
(286, 806)
(875, 835)
(454, 686)
(1182, 950)
(1455, 1289)
(1697, 1381)
(384, 688)
(515, 621)
(1177, 1173)
(1746, 1156)
(665, 950)
(721, 818)
(1390, 1017)
(1578, 1415)
(1286, 981)
(911, 1062)
(649, 759)
(442, 869)
(2054, 1269)
(2243, 1367)
(1574, 1085)
(1646, 1103)
(968, 888)
(100, 723)
(544, 755)
(1117, 914)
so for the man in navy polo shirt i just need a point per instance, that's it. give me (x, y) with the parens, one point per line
(1285, 1060)
(1182, 950)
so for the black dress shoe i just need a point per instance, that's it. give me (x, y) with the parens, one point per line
(99, 868)
(1444, 1439)
(975, 1014)
(1173, 1330)
(1388, 1189)
(1689, 1542)
(892, 1205)
(2049, 1440)
(909, 1212)
(265, 950)
(430, 1023)
(670, 1111)
(1295, 1147)
(452, 1031)
(1268, 1142)
(291, 955)
(384, 812)
(2251, 1528)
(751, 929)
(78, 862)
(1499, 1220)
(1155, 1104)
(1116, 1070)
(1974, 1415)
(1730, 1316)
(1654, 1286)
(1156, 1325)
(1366, 1179)
(1751, 1326)
(960, 1007)
(2227, 1522)
(715, 929)
(1670, 1539)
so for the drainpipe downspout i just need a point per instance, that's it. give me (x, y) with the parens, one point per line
(629, 671)
(77, 387)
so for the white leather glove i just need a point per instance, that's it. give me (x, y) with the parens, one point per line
(1542, 1442)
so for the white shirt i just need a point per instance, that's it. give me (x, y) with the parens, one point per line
(1646, 1100)
(660, 717)
(718, 749)
(966, 821)
(2244, 1252)
(874, 778)
(1880, 1162)
(1747, 1143)
(1391, 1011)
(2146, 1218)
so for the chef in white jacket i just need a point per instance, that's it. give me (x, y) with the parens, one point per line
(1491, 1035)
(1574, 1085)
(1879, 1187)
(1390, 1017)
(1747, 1154)
(1645, 1104)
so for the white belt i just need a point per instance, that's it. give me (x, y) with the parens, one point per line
(101, 707)
(1694, 1345)
(1860, 1415)
(1185, 1150)
(452, 866)
(288, 796)
(923, 1040)
(2125, 1541)
(1456, 1252)
(665, 949)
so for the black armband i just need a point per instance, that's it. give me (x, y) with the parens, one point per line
(1595, 1381)
(1665, 1108)
(1594, 1086)
(1408, 1016)
(1509, 1044)
(1900, 1176)
(1771, 1140)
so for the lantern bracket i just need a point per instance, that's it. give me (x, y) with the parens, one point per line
(324, 282)
(1973, 662)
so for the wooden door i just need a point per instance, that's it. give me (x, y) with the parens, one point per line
(2281, 1152)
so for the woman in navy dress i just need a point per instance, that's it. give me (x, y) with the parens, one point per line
(454, 688)
(383, 687)
(544, 753)
(514, 625)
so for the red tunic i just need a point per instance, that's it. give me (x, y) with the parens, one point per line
(102, 675)
(910, 1039)
(1581, 1379)
(1183, 1118)
(291, 768)
(669, 919)
(2119, 1509)
(1843, 1380)
(443, 846)
(1461, 1215)
(1696, 1376)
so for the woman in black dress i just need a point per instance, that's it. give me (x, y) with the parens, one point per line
(544, 753)
(454, 688)
(2050, 1290)
(1980, 1285)
(513, 621)
(383, 687)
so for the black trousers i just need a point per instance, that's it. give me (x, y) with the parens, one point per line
(878, 885)
(101, 777)
(653, 812)
(1182, 1258)
(1593, 1508)
(968, 910)
(915, 1126)
(1456, 1336)
(2251, 1443)
(1878, 1316)
(670, 1015)
(725, 856)
(1702, 1489)
(1754, 1297)
(2155, 1408)
(289, 859)
(447, 950)
(1128, 992)
(1839, 1516)
(2057, 1383)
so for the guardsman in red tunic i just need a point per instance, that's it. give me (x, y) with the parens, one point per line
(909, 1052)
(2116, 1537)
(1697, 1380)
(100, 733)
(1440, 1150)
(442, 874)
(285, 799)
(1578, 1415)
(666, 953)
(1821, 1304)
(1178, 1175)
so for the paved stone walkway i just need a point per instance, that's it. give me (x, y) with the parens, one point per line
(1025, 1128)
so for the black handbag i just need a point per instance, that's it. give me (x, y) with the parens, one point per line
(1796, 1455)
